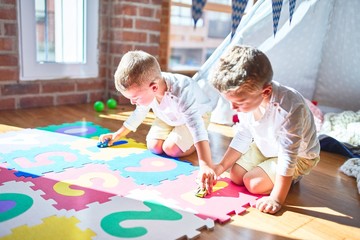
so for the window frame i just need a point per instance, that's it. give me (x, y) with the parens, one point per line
(30, 69)
(209, 6)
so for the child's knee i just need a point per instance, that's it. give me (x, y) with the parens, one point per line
(155, 146)
(249, 184)
(172, 150)
(155, 150)
(236, 176)
(257, 184)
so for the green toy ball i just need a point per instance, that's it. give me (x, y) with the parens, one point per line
(99, 106)
(111, 103)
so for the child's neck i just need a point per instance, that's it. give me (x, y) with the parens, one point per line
(261, 109)
(162, 88)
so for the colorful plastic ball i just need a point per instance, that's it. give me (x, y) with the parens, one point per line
(99, 106)
(111, 103)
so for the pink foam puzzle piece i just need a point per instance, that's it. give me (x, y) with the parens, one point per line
(68, 196)
(97, 177)
(227, 198)
(7, 175)
(231, 195)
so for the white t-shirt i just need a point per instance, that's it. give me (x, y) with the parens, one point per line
(184, 102)
(286, 130)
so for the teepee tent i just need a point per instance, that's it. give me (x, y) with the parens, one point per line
(317, 52)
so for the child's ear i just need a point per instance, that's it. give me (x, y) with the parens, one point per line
(267, 90)
(154, 86)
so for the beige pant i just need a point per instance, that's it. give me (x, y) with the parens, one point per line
(254, 158)
(180, 135)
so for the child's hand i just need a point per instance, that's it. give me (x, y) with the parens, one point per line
(206, 178)
(268, 205)
(106, 137)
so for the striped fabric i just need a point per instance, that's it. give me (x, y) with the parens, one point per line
(196, 10)
(276, 8)
(292, 4)
(238, 8)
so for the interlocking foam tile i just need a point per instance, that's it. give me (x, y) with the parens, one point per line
(89, 147)
(150, 169)
(30, 138)
(128, 218)
(54, 228)
(6, 175)
(53, 158)
(147, 195)
(227, 198)
(78, 180)
(68, 196)
(20, 205)
(75, 188)
(97, 177)
(80, 129)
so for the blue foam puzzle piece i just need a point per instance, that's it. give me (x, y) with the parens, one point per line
(151, 177)
(25, 174)
(52, 158)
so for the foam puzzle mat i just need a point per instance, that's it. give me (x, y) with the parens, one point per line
(62, 186)
(79, 128)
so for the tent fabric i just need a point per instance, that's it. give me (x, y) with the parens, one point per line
(316, 54)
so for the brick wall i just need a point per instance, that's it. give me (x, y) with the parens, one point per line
(135, 25)
(123, 25)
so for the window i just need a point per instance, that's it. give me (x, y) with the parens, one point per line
(58, 39)
(190, 47)
(182, 16)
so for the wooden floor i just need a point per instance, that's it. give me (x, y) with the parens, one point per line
(324, 205)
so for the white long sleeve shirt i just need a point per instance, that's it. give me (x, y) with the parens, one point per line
(286, 130)
(184, 102)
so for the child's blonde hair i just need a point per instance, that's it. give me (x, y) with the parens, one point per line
(242, 66)
(136, 67)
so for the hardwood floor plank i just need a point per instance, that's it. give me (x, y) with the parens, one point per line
(324, 205)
